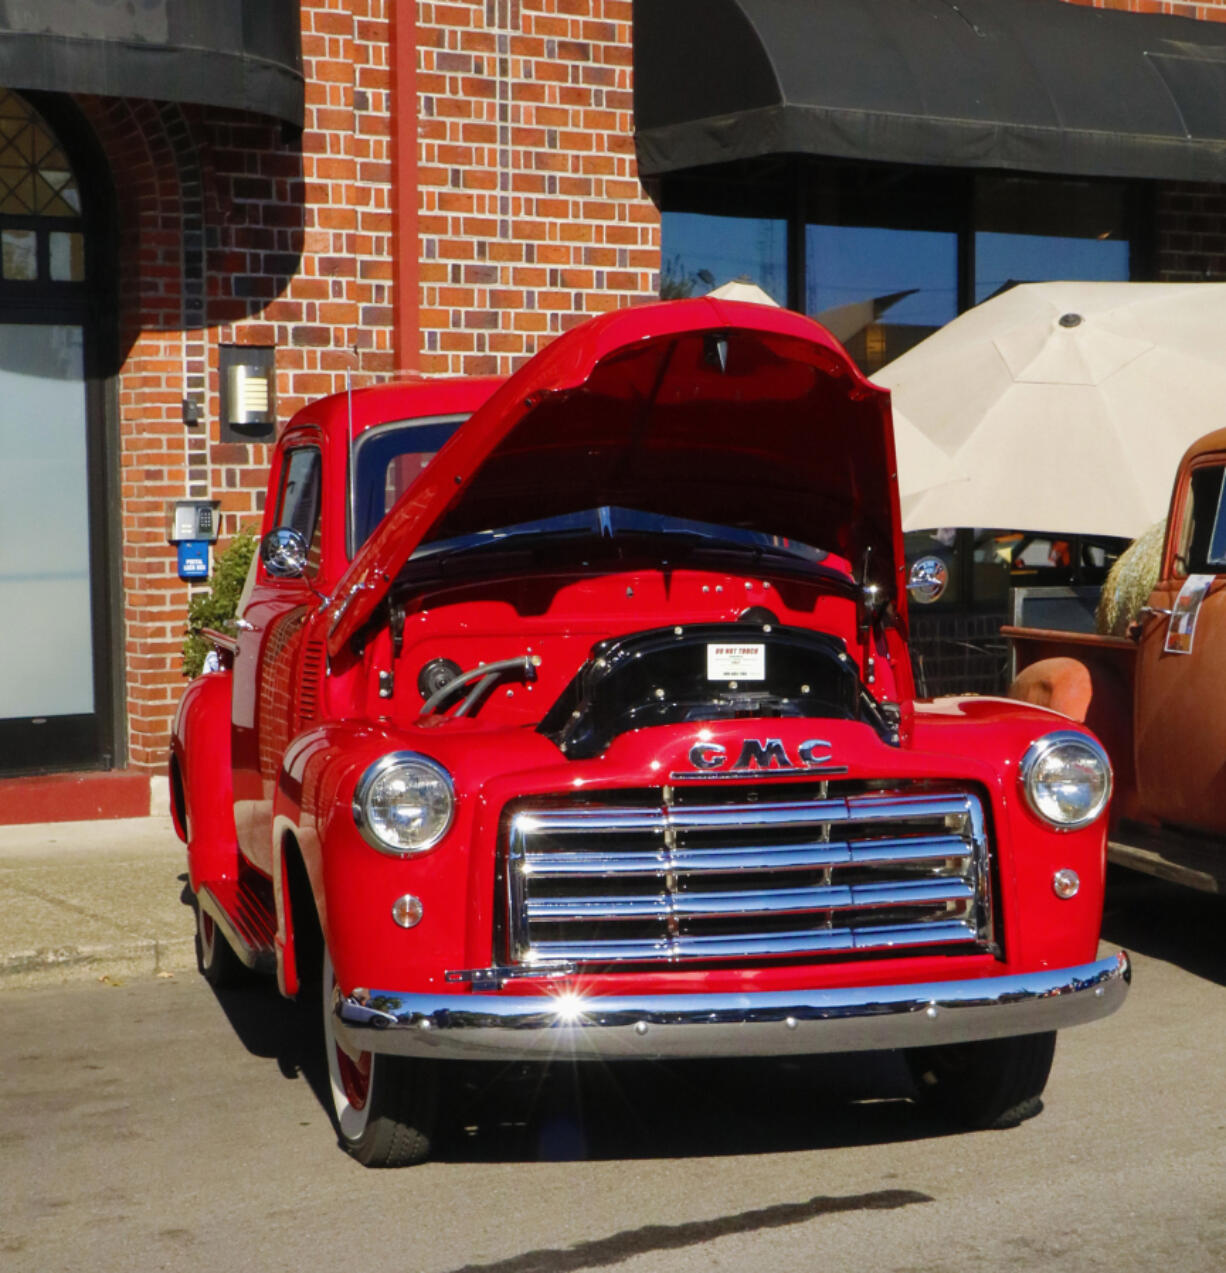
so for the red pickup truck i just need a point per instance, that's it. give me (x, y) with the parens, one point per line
(1153, 696)
(572, 717)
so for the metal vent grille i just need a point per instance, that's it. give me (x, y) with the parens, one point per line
(308, 691)
(653, 881)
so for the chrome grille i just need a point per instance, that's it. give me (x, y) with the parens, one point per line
(658, 881)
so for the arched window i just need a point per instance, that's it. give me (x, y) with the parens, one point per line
(41, 227)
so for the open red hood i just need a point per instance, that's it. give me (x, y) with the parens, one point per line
(717, 411)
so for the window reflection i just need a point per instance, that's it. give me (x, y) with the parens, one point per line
(879, 290)
(983, 563)
(67, 256)
(888, 252)
(388, 459)
(703, 251)
(1002, 259)
(1202, 538)
(20, 256)
(1030, 230)
(298, 508)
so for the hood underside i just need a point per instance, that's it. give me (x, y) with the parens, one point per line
(731, 414)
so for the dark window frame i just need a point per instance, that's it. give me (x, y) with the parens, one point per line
(791, 186)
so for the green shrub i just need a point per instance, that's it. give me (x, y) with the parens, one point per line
(216, 608)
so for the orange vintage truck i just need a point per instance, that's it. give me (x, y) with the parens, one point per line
(1157, 697)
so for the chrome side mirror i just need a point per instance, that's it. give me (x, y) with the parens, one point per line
(284, 553)
(928, 580)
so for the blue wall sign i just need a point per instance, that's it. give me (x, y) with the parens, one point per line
(194, 559)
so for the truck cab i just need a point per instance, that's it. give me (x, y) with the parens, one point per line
(1155, 696)
(573, 717)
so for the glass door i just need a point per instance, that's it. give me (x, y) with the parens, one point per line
(55, 675)
(47, 690)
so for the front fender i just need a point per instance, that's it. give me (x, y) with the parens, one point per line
(200, 763)
(1097, 692)
(1041, 929)
(353, 886)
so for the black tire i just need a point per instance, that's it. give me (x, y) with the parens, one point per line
(385, 1109)
(215, 957)
(993, 1083)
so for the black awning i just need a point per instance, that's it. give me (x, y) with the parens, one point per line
(236, 53)
(1039, 85)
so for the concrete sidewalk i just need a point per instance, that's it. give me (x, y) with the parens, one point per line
(102, 900)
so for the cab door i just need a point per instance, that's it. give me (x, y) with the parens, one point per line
(1180, 704)
(271, 628)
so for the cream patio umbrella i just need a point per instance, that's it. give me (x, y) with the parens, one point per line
(842, 322)
(1061, 406)
(923, 467)
(741, 289)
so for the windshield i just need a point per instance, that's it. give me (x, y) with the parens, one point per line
(386, 460)
(617, 527)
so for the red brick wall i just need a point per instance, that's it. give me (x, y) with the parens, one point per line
(235, 231)
(532, 217)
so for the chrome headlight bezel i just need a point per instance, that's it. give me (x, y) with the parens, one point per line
(368, 785)
(1041, 751)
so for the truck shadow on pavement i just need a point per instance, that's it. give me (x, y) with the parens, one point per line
(594, 1111)
(685, 1109)
(1176, 924)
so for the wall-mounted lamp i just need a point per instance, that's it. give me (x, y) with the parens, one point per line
(248, 393)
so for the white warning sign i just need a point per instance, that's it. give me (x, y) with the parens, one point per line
(736, 662)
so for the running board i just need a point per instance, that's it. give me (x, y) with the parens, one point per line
(244, 920)
(1171, 855)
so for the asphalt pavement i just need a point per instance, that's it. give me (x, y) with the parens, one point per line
(103, 901)
(162, 1125)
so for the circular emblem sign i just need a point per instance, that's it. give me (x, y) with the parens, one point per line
(928, 580)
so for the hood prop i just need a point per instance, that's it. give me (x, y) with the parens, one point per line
(715, 350)
(872, 602)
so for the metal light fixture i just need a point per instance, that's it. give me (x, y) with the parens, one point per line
(248, 393)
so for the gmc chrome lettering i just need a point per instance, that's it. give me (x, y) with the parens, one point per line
(768, 753)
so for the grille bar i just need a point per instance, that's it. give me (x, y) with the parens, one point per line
(748, 903)
(816, 855)
(652, 881)
(594, 820)
(773, 945)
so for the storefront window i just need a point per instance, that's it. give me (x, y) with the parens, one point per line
(880, 290)
(1029, 230)
(884, 254)
(703, 251)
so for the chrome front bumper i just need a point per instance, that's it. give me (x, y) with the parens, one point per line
(778, 1023)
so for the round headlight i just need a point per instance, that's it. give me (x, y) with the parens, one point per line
(1067, 779)
(404, 803)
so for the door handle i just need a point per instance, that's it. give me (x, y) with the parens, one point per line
(1156, 610)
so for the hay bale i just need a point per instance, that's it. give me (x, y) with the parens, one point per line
(1130, 582)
